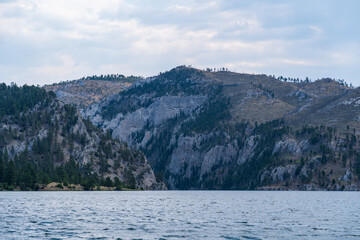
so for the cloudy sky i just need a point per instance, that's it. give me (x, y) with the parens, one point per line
(46, 41)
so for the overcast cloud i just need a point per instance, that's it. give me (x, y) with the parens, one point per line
(46, 41)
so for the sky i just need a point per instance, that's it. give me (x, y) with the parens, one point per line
(47, 41)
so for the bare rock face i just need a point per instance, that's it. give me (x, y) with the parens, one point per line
(85, 144)
(247, 151)
(348, 176)
(219, 155)
(162, 109)
(221, 130)
(185, 157)
(291, 146)
(301, 95)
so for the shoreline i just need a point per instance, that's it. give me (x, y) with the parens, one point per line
(59, 187)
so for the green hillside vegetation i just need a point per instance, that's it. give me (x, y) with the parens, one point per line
(49, 142)
(14, 99)
(108, 77)
(181, 85)
(303, 133)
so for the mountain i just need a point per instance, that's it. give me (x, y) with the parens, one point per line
(224, 130)
(85, 91)
(43, 140)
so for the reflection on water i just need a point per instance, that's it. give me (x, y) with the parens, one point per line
(180, 215)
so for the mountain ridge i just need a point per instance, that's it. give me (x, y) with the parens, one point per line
(44, 140)
(210, 130)
(87, 90)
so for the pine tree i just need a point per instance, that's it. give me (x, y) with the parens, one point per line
(10, 173)
(2, 169)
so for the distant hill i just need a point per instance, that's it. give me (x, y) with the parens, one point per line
(225, 130)
(43, 140)
(85, 91)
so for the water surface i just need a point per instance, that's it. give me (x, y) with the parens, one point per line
(180, 215)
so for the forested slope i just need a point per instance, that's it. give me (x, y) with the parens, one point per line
(43, 140)
(224, 130)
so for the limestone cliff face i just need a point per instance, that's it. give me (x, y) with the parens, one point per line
(124, 126)
(202, 130)
(65, 136)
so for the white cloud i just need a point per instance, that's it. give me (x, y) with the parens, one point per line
(180, 8)
(298, 62)
(71, 38)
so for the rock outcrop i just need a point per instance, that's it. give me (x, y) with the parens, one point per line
(206, 130)
(50, 134)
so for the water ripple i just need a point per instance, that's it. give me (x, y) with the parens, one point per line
(179, 215)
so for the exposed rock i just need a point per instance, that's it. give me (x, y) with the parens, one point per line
(269, 131)
(352, 187)
(289, 145)
(185, 157)
(347, 177)
(124, 126)
(247, 151)
(352, 101)
(85, 153)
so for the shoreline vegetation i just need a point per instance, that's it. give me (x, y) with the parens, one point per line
(56, 186)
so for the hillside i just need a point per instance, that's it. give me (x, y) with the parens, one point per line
(224, 130)
(85, 91)
(43, 140)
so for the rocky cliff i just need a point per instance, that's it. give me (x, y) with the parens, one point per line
(223, 130)
(51, 140)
